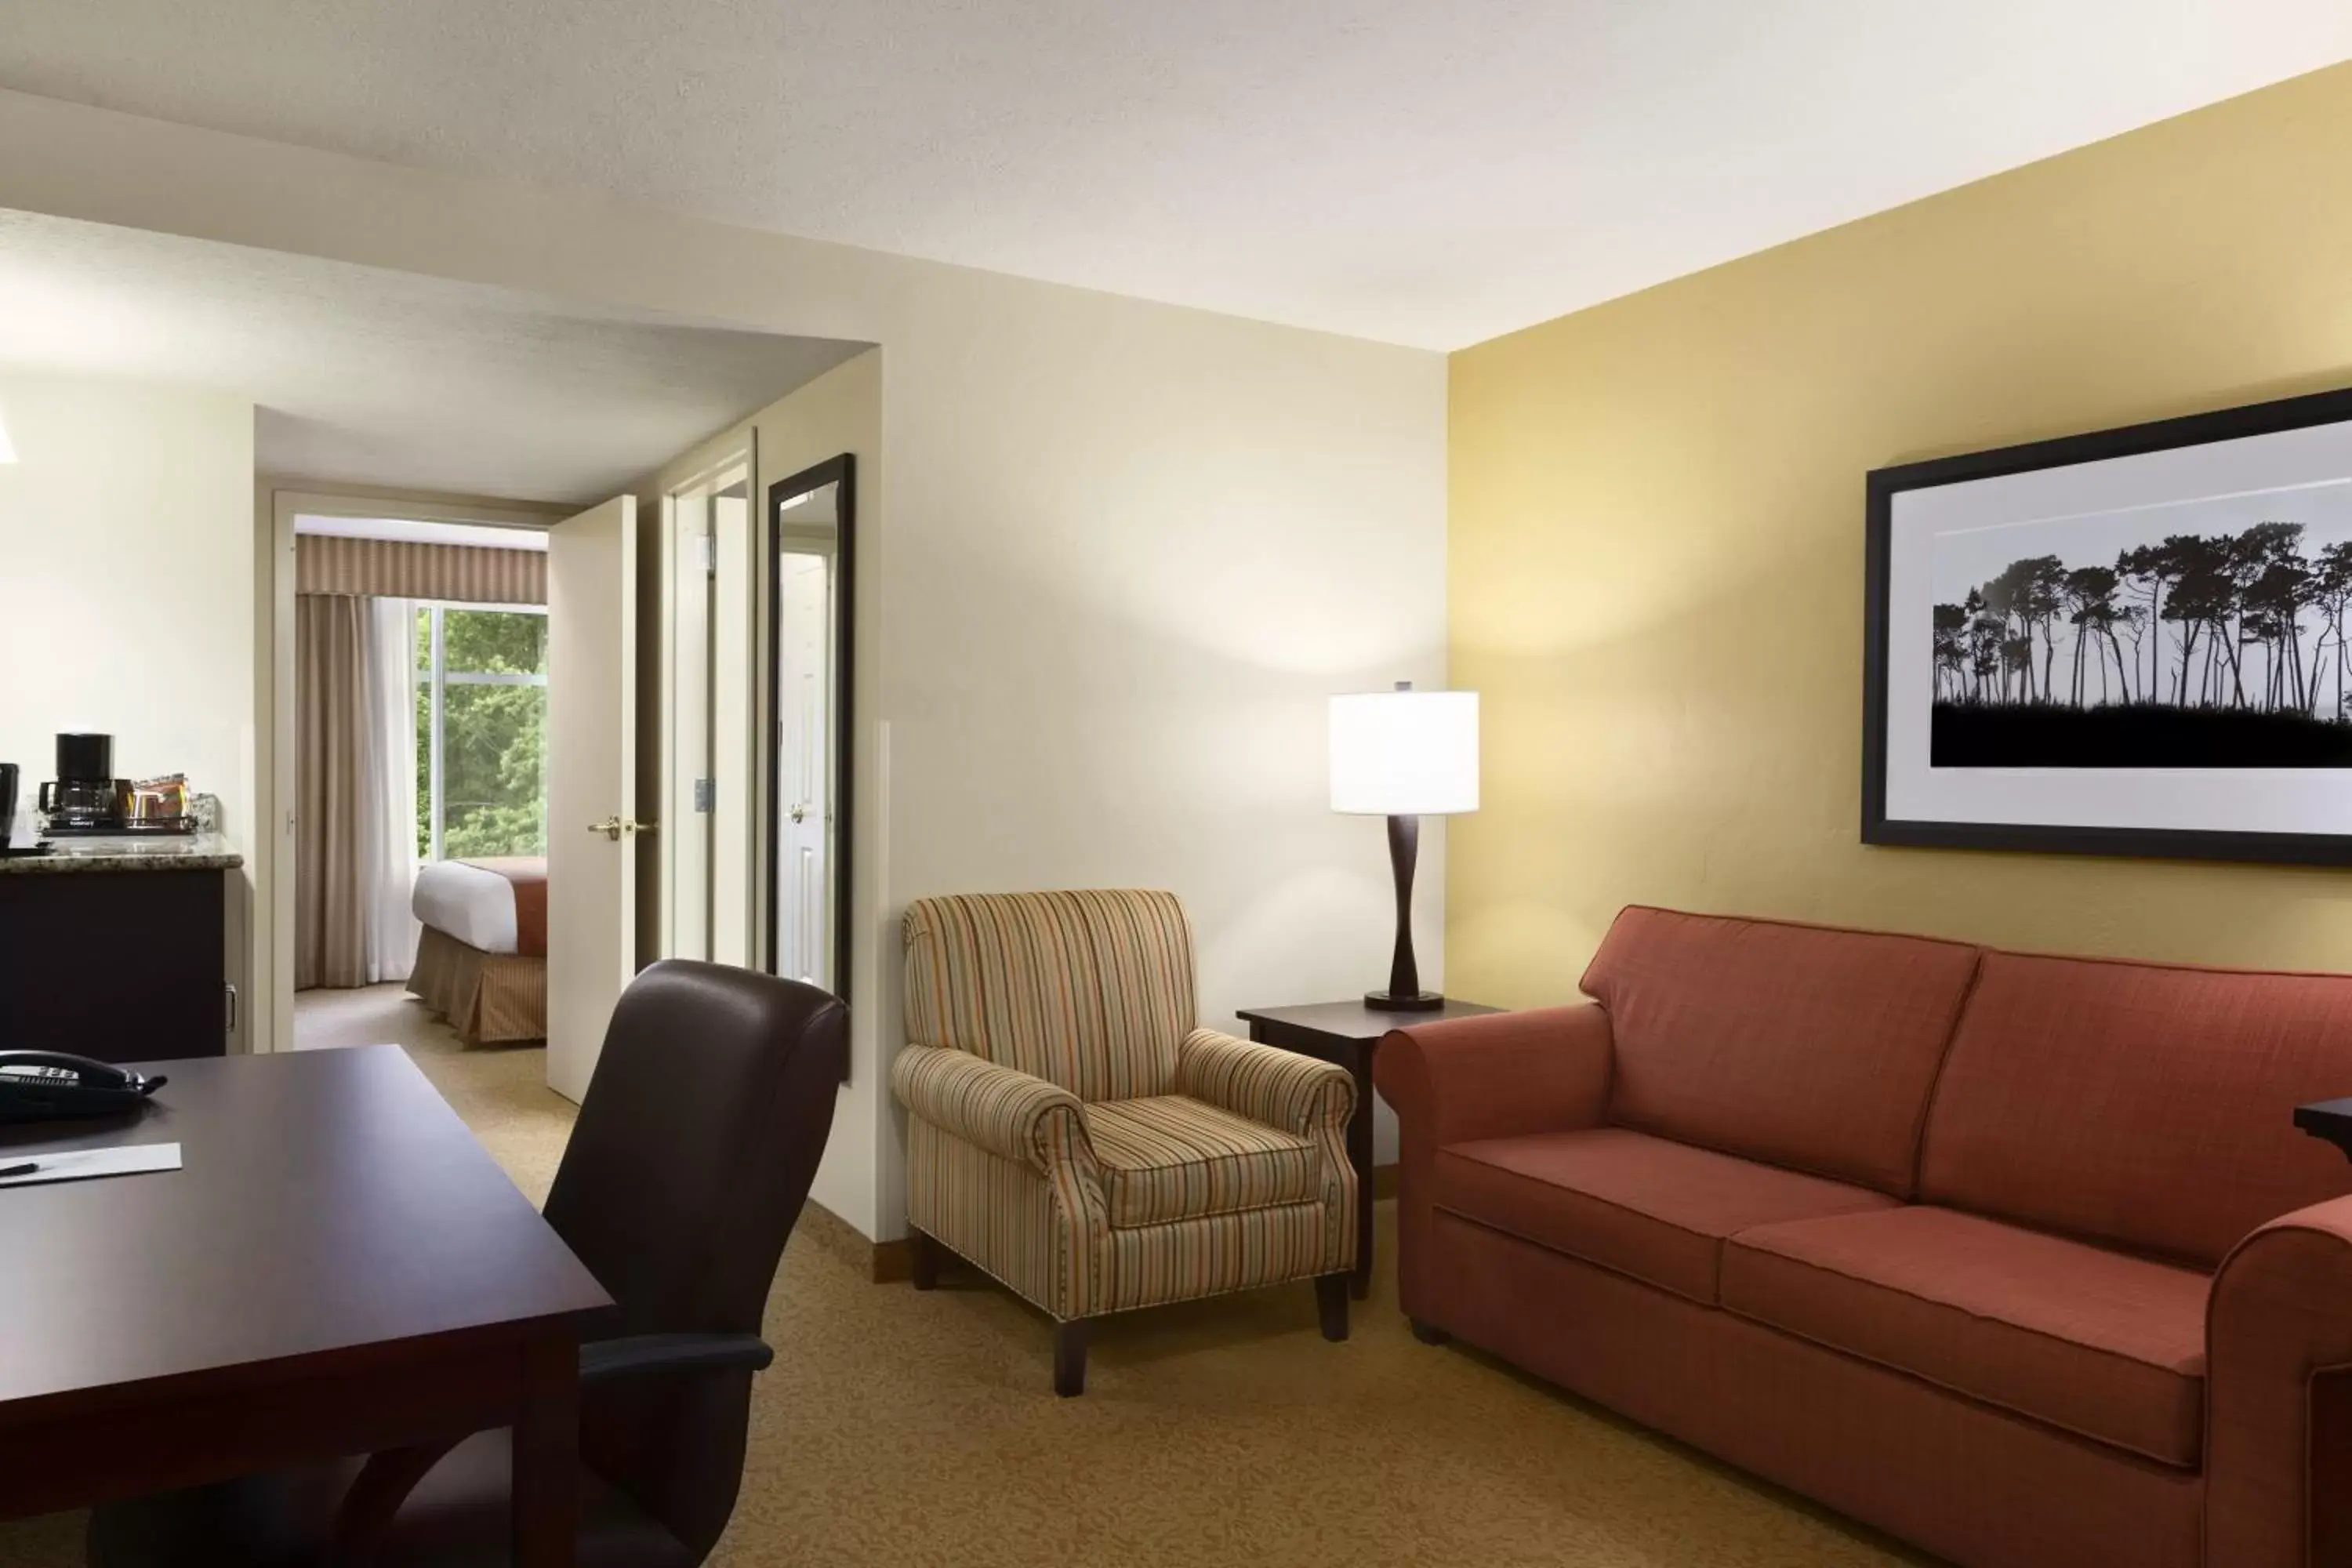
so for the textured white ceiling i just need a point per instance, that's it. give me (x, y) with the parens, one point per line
(1430, 171)
(375, 377)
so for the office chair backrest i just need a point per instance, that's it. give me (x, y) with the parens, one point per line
(694, 1151)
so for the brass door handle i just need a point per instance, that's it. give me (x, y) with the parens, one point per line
(613, 827)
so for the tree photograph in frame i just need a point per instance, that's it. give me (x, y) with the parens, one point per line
(2134, 642)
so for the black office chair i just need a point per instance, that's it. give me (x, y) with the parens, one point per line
(693, 1153)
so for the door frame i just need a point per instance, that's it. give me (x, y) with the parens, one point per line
(670, 810)
(270, 1027)
(841, 471)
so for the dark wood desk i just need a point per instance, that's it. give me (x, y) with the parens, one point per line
(338, 1268)
(1348, 1033)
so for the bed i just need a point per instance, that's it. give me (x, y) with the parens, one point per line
(481, 961)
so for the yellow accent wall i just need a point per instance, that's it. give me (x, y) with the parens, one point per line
(1656, 549)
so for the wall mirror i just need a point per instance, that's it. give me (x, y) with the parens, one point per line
(812, 552)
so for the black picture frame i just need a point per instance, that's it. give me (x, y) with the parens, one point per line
(841, 471)
(2163, 435)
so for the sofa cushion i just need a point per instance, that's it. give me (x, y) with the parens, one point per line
(2144, 1105)
(2102, 1343)
(1645, 1206)
(1805, 1047)
(1173, 1157)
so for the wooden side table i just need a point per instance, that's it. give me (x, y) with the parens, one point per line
(1347, 1033)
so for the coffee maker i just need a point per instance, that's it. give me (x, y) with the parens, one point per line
(85, 796)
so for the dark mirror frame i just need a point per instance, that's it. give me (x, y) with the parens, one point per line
(840, 471)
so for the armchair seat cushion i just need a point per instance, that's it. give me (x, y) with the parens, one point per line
(1172, 1157)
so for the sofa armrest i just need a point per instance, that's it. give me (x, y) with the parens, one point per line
(1545, 1071)
(1007, 1112)
(2278, 1351)
(1488, 1077)
(1280, 1089)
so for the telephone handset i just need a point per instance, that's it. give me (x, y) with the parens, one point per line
(40, 1086)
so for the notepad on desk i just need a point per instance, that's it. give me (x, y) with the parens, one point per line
(85, 1164)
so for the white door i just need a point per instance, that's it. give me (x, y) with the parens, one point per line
(685, 839)
(705, 848)
(803, 765)
(592, 783)
(734, 725)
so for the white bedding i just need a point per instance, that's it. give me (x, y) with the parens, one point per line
(475, 906)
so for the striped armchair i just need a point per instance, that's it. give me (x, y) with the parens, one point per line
(1072, 1133)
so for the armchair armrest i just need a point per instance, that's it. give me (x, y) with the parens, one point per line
(1009, 1113)
(1546, 1070)
(638, 1355)
(1278, 1088)
(2278, 1347)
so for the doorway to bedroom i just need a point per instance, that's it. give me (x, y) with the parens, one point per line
(421, 703)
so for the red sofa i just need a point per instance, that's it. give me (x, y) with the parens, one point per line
(2018, 1257)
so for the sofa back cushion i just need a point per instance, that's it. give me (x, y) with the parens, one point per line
(1091, 990)
(1797, 1045)
(2147, 1106)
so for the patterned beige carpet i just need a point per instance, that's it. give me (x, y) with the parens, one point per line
(915, 1430)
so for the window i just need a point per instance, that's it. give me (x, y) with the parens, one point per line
(481, 723)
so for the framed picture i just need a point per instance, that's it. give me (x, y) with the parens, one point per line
(2136, 642)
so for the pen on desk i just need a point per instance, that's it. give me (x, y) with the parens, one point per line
(24, 1170)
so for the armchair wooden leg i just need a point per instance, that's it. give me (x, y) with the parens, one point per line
(926, 1268)
(1331, 1301)
(1070, 1358)
(1429, 1333)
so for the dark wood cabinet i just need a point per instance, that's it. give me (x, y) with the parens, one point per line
(123, 965)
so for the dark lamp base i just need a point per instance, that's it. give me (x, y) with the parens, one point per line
(1418, 1001)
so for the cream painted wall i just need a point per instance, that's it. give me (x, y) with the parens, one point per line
(1122, 553)
(1657, 539)
(126, 591)
(840, 411)
(1129, 557)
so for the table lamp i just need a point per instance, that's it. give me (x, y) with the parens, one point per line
(1404, 754)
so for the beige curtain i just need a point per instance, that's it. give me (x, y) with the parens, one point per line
(330, 710)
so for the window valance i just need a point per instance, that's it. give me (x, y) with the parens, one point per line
(405, 569)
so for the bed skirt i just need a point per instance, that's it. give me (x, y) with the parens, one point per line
(488, 998)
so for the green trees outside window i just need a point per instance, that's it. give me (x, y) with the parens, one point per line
(481, 726)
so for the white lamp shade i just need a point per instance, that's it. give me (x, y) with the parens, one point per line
(1405, 753)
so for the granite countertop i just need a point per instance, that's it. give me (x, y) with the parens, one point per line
(69, 857)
